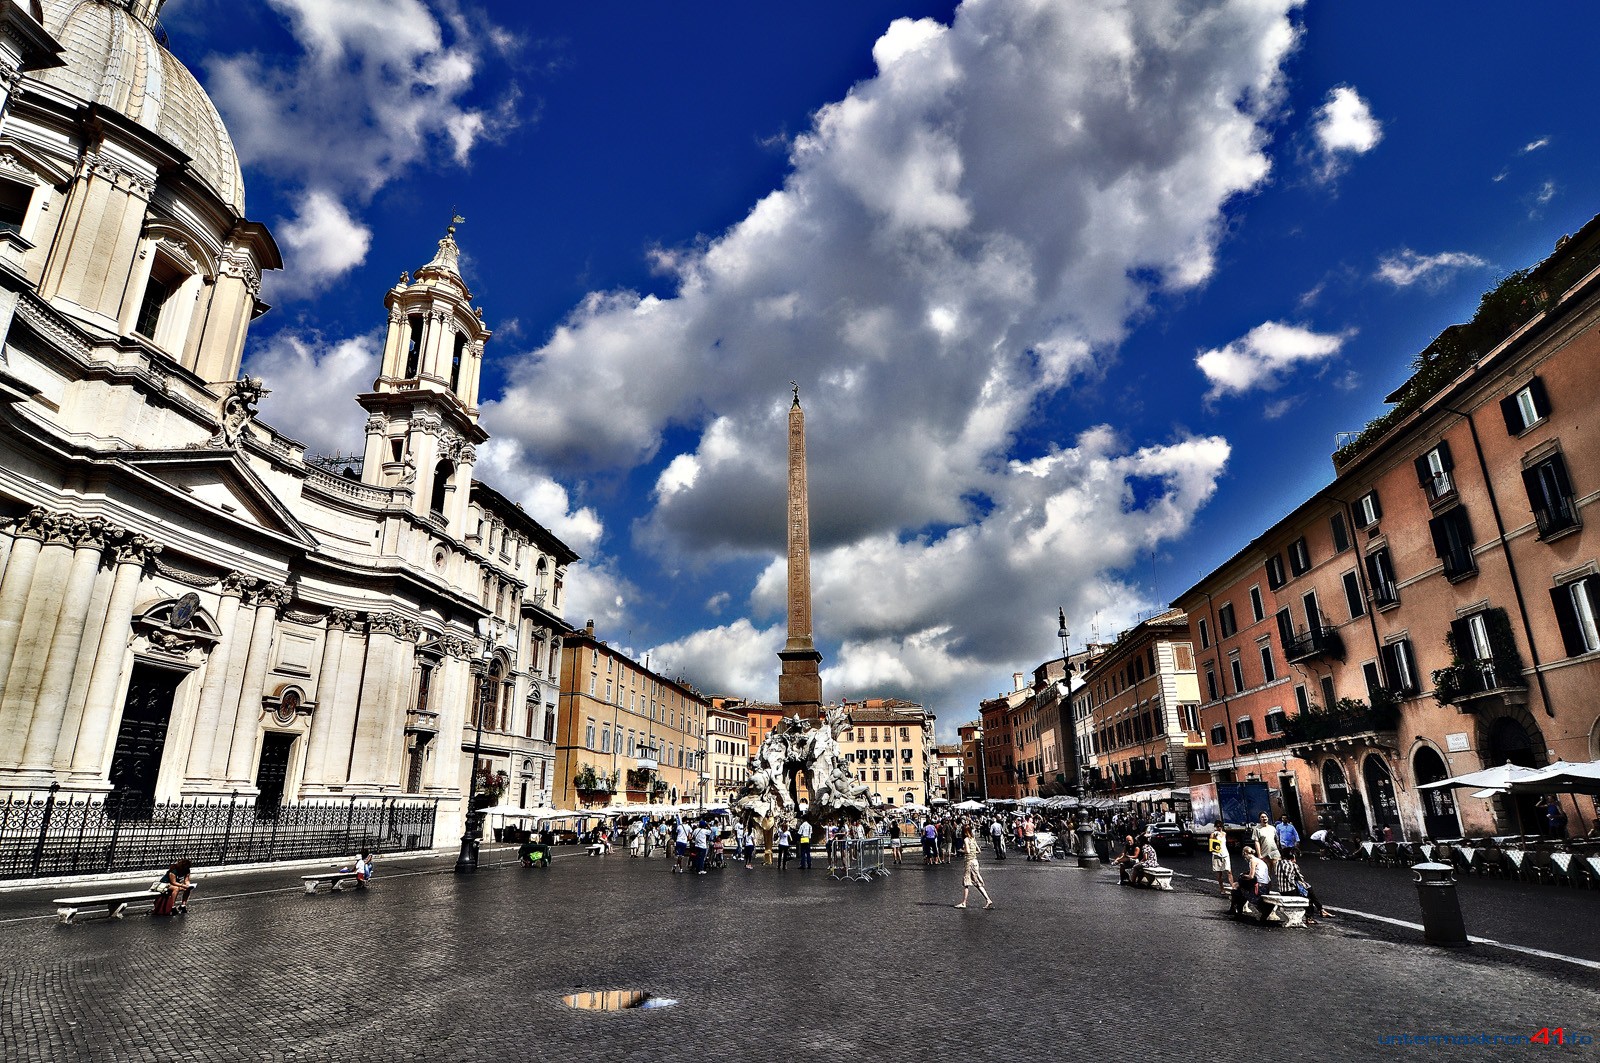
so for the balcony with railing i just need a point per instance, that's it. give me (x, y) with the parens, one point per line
(1556, 518)
(1310, 643)
(1459, 563)
(1467, 683)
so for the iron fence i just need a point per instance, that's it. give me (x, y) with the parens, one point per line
(84, 835)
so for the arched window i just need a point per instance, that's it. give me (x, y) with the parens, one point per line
(455, 362)
(414, 346)
(441, 481)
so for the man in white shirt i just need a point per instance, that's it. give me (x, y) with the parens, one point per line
(1265, 836)
(804, 833)
(700, 839)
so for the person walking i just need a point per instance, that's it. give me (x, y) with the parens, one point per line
(997, 835)
(699, 845)
(1221, 864)
(783, 848)
(972, 876)
(748, 844)
(1288, 836)
(680, 845)
(805, 844)
(895, 842)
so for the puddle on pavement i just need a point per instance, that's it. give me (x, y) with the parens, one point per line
(616, 1000)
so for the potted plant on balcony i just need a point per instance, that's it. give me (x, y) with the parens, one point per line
(492, 785)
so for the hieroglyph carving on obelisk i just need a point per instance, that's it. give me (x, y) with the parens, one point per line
(800, 683)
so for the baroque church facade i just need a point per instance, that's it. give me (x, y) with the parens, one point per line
(190, 604)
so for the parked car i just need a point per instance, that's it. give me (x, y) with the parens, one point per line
(1170, 837)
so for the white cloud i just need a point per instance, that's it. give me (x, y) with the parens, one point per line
(596, 591)
(379, 87)
(1280, 408)
(323, 415)
(736, 659)
(1343, 127)
(1264, 356)
(983, 218)
(1546, 193)
(1406, 267)
(1534, 145)
(321, 243)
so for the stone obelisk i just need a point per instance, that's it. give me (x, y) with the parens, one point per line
(800, 683)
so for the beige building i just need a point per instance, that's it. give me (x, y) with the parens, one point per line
(625, 734)
(890, 742)
(1139, 713)
(727, 749)
(190, 604)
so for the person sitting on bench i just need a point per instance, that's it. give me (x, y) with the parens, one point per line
(1291, 883)
(1252, 885)
(361, 867)
(175, 889)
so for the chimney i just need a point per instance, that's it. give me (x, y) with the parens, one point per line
(1016, 681)
(588, 628)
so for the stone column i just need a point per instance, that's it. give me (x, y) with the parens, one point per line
(105, 677)
(269, 598)
(5, 544)
(800, 683)
(40, 614)
(379, 728)
(61, 660)
(450, 696)
(27, 538)
(223, 672)
(323, 719)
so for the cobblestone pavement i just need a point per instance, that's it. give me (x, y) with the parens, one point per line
(431, 966)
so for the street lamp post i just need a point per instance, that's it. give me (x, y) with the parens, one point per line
(467, 859)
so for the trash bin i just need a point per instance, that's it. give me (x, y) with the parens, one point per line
(1441, 909)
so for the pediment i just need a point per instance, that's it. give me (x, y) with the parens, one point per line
(19, 160)
(222, 481)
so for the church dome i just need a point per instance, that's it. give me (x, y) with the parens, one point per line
(111, 57)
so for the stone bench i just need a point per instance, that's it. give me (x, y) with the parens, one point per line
(336, 879)
(1288, 909)
(1156, 878)
(116, 904)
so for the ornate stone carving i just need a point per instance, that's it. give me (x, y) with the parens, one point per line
(467, 454)
(342, 620)
(64, 530)
(376, 424)
(810, 748)
(272, 596)
(427, 420)
(455, 646)
(238, 410)
(134, 549)
(97, 165)
(189, 578)
(238, 264)
(395, 625)
(295, 616)
(237, 583)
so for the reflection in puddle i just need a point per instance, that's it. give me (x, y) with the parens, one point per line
(616, 1000)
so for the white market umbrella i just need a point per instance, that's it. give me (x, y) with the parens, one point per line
(1496, 778)
(970, 806)
(514, 811)
(1031, 801)
(1561, 778)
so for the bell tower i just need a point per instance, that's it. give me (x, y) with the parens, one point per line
(422, 411)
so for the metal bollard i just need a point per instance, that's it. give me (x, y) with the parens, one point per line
(1441, 910)
(1087, 857)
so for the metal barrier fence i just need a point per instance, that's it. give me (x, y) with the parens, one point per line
(858, 859)
(86, 835)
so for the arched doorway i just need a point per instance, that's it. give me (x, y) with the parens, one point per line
(1335, 808)
(1508, 742)
(1380, 792)
(1439, 819)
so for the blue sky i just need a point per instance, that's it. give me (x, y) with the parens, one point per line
(1078, 292)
